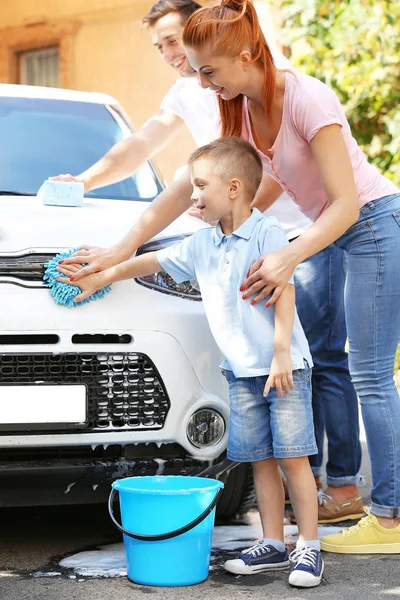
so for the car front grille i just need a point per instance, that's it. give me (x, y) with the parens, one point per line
(27, 266)
(125, 390)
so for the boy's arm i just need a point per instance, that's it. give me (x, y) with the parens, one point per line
(145, 264)
(132, 268)
(177, 260)
(284, 320)
(280, 375)
(273, 238)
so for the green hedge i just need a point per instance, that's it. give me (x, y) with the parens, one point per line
(354, 46)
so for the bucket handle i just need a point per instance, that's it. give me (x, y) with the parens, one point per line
(162, 536)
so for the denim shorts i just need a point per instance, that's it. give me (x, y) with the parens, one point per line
(264, 427)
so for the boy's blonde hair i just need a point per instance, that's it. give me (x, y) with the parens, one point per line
(232, 157)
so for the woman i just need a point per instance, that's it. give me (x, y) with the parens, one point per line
(299, 128)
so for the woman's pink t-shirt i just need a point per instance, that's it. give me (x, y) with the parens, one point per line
(308, 106)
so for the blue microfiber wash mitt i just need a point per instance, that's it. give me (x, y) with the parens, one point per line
(63, 293)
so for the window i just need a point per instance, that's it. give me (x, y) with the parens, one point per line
(40, 67)
(41, 137)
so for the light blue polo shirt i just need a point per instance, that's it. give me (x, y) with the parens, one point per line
(220, 263)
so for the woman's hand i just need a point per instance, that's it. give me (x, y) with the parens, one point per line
(97, 259)
(280, 375)
(89, 284)
(268, 274)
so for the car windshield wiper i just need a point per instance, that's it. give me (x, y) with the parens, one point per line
(14, 193)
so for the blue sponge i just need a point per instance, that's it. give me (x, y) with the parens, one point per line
(63, 293)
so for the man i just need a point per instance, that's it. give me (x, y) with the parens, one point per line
(319, 280)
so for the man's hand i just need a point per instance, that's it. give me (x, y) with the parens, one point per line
(194, 212)
(97, 259)
(280, 375)
(89, 285)
(68, 177)
(268, 274)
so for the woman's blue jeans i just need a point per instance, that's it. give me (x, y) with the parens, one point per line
(320, 284)
(372, 306)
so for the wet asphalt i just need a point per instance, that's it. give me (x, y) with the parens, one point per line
(34, 540)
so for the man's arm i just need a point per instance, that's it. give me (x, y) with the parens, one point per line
(164, 209)
(126, 156)
(267, 193)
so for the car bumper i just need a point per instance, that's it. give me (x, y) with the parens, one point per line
(182, 385)
(61, 482)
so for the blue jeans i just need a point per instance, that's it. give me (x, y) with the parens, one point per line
(264, 427)
(320, 304)
(372, 305)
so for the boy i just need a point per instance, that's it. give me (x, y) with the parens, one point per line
(267, 359)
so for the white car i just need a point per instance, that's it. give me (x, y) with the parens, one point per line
(127, 385)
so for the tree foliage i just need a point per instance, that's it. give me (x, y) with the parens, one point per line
(354, 47)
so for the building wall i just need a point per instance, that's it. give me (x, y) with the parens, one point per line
(102, 48)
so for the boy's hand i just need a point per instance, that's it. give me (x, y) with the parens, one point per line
(280, 375)
(89, 284)
(97, 259)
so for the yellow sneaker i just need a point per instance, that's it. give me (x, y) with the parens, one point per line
(367, 537)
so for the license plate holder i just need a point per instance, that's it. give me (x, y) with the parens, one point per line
(44, 406)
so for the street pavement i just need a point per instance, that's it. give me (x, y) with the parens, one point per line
(34, 541)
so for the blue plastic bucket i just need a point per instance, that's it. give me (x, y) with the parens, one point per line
(167, 524)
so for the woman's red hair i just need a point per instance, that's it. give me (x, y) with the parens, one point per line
(229, 33)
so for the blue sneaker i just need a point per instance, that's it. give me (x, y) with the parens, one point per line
(258, 558)
(308, 567)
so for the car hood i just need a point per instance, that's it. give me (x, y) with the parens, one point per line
(26, 223)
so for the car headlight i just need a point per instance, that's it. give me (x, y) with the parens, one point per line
(161, 281)
(206, 427)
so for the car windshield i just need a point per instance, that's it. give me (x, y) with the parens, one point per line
(40, 138)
